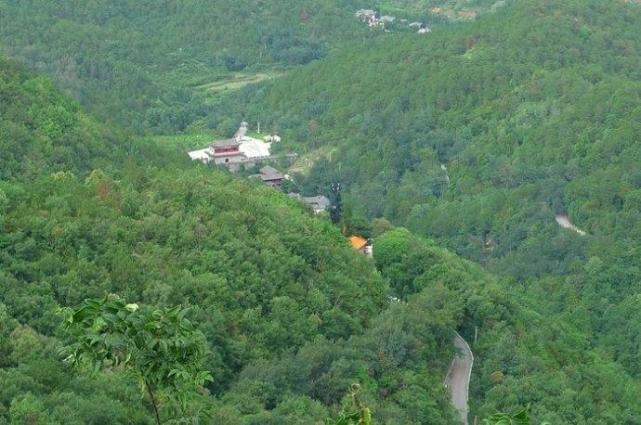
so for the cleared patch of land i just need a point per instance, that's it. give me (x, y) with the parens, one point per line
(305, 163)
(236, 81)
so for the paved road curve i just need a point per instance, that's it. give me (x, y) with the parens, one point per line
(458, 377)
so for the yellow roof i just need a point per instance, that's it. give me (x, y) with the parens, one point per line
(357, 242)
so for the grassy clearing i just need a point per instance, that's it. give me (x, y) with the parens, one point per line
(305, 163)
(236, 81)
(397, 10)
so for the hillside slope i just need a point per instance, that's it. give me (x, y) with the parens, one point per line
(478, 136)
(263, 277)
(41, 131)
(531, 111)
(532, 345)
(521, 115)
(291, 314)
(143, 64)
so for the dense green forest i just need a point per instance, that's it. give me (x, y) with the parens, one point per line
(158, 66)
(150, 64)
(448, 8)
(291, 315)
(466, 142)
(478, 136)
(266, 282)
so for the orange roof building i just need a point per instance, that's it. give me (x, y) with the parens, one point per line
(358, 243)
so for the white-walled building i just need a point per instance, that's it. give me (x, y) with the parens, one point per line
(231, 153)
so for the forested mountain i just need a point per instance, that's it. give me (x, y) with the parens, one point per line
(291, 315)
(147, 64)
(475, 137)
(42, 131)
(480, 133)
(157, 66)
(534, 344)
(267, 282)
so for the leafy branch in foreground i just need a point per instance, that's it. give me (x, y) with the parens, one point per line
(361, 414)
(521, 418)
(160, 346)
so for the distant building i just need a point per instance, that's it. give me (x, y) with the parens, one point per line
(255, 150)
(271, 176)
(227, 152)
(358, 243)
(200, 155)
(365, 14)
(233, 152)
(361, 244)
(318, 203)
(242, 130)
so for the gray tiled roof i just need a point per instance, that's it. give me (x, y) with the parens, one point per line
(270, 173)
(322, 202)
(225, 142)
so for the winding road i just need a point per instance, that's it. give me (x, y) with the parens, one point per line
(458, 376)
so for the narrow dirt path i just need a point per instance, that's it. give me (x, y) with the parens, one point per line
(457, 380)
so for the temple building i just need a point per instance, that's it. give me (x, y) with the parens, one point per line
(227, 152)
(271, 176)
(318, 203)
(234, 152)
(361, 244)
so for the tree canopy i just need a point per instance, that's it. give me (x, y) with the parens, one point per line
(460, 151)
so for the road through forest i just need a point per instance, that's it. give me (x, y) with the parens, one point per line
(457, 380)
